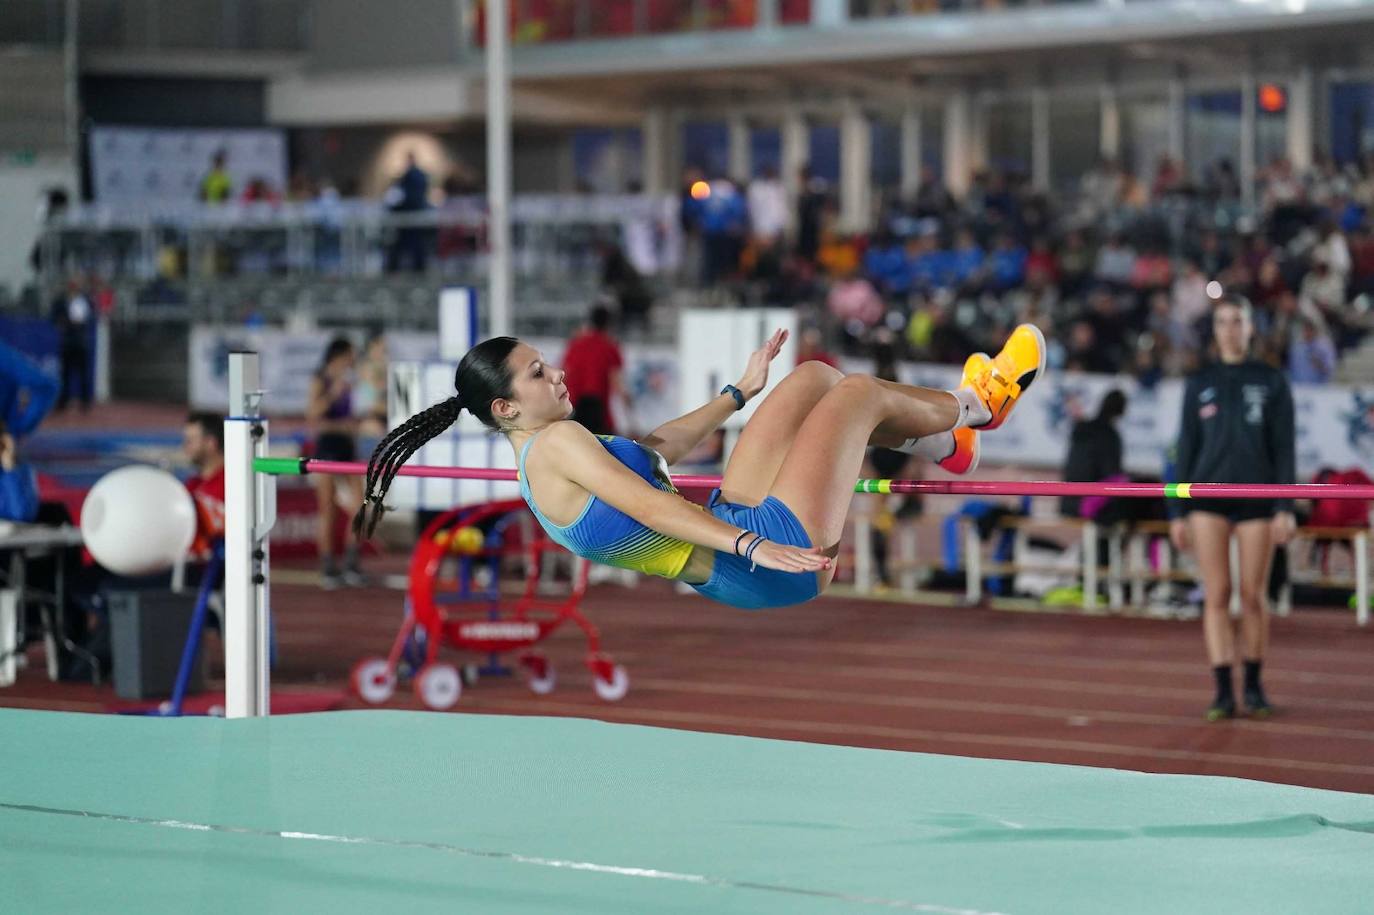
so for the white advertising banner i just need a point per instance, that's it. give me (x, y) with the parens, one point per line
(143, 165)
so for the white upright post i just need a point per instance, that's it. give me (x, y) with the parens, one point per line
(498, 166)
(247, 678)
(863, 554)
(1089, 566)
(1362, 578)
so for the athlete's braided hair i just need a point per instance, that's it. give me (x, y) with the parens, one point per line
(481, 378)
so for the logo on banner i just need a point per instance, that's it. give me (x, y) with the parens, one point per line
(1359, 424)
(1067, 405)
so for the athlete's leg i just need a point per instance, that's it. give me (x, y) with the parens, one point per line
(816, 479)
(768, 436)
(756, 457)
(1256, 543)
(1211, 534)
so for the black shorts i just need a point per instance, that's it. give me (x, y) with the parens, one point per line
(335, 446)
(1234, 510)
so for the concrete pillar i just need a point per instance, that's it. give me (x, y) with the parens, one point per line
(1302, 120)
(911, 148)
(1177, 112)
(958, 143)
(796, 152)
(856, 168)
(1109, 123)
(1040, 138)
(740, 157)
(1246, 160)
(656, 170)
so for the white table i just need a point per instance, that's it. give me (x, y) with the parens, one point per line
(28, 541)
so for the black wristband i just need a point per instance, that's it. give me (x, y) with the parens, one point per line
(735, 393)
(738, 539)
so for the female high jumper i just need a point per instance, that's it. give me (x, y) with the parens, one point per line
(770, 533)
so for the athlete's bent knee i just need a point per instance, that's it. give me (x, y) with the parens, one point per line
(818, 373)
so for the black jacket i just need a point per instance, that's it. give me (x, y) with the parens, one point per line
(1237, 427)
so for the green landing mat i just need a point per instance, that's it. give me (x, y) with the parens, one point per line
(419, 812)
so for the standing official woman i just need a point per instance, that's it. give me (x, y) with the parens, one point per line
(1237, 427)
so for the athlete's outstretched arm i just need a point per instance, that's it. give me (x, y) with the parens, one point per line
(582, 459)
(676, 438)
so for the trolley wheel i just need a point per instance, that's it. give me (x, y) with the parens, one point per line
(439, 685)
(540, 675)
(373, 680)
(612, 690)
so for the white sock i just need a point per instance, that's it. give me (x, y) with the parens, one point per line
(935, 447)
(972, 411)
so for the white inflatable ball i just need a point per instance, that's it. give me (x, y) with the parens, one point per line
(138, 520)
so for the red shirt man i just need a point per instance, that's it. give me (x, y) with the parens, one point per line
(203, 444)
(593, 365)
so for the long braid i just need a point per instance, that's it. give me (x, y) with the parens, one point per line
(392, 452)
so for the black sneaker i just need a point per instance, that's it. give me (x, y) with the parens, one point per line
(1221, 708)
(1257, 704)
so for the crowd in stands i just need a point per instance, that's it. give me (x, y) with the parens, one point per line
(1120, 275)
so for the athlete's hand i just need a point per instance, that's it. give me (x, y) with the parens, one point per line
(755, 377)
(785, 558)
(1178, 534)
(1282, 527)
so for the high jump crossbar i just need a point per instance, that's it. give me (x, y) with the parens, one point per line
(297, 466)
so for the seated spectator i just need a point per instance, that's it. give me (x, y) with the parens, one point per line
(885, 265)
(1269, 284)
(1153, 270)
(1081, 353)
(966, 262)
(1191, 304)
(1311, 355)
(1006, 264)
(18, 484)
(1075, 264)
(1115, 263)
(854, 301)
(1042, 267)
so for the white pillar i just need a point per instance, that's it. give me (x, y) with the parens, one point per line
(829, 13)
(1177, 112)
(1109, 124)
(796, 152)
(1301, 120)
(911, 148)
(856, 167)
(654, 150)
(958, 143)
(740, 164)
(498, 169)
(1246, 160)
(1040, 138)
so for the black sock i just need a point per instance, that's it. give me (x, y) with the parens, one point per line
(1222, 672)
(1252, 676)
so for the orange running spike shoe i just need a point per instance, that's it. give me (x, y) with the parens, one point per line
(964, 458)
(1001, 382)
